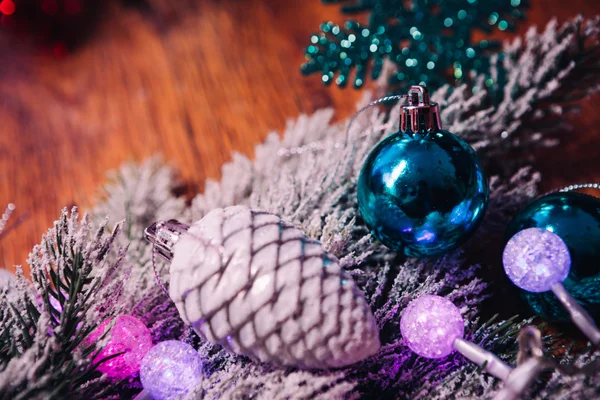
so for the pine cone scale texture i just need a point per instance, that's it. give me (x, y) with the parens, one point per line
(261, 288)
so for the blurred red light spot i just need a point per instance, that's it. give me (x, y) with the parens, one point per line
(7, 7)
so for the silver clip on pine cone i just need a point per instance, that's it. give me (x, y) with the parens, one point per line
(259, 287)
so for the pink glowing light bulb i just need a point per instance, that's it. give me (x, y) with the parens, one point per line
(129, 336)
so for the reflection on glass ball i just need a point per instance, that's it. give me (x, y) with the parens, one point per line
(170, 370)
(430, 324)
(535, 259)
(129, 336)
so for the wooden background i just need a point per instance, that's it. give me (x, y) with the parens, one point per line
(193, 85)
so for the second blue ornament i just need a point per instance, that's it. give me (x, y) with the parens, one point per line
(575, 218)
(422, 190)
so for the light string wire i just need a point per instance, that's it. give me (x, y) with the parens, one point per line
(531, 362)
(318, 145)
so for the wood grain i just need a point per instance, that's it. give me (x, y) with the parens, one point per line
(194, 86)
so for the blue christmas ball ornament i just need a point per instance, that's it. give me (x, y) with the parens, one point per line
(575, 218)
(422, 190)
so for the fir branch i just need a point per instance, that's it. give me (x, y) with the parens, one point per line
(139, 195)
(43, 348)
(534, 86)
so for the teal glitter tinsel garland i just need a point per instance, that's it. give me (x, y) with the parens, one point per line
(429, 41)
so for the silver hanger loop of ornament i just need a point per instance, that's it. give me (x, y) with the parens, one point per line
(318, 145)
(164, 235)
(575, 186)
(371, 104)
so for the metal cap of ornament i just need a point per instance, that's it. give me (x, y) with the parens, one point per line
(420, 113)
(259, 287)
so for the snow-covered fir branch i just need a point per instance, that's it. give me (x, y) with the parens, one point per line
(139, 195)
(43, 348)
(539, 77)
(535, 84)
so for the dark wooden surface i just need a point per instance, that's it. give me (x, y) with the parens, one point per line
(193, 86)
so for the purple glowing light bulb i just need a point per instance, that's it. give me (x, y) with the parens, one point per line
(129, 336)
(433, 327)
(430, 325)
(170, 370)
(536, 259)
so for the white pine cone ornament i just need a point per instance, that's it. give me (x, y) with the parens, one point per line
(265, 290)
